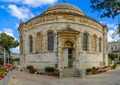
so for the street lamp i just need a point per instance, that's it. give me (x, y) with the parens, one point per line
(4, 57)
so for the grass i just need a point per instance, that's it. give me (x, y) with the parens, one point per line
(2, 71)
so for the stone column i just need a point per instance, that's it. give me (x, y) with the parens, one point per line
(25, 47)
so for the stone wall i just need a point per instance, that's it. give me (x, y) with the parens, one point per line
(82, 25)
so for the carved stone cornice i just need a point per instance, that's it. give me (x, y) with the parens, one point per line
(68, 30)
(55, 18)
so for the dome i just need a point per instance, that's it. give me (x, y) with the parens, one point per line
(65, 6)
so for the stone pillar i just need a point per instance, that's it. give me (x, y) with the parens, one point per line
(25, 46)
(60, 64)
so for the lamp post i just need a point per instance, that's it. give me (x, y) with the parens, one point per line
(4, 57)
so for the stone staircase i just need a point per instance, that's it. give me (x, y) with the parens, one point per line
(70, 72)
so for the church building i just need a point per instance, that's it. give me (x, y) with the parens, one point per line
(63, 36)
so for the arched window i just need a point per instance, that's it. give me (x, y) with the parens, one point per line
(50, 41)
(85, 42)
(38, 42)
(94, 43)
(99, 44)
(31, 43)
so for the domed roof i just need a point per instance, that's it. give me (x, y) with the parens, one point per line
(65, 6)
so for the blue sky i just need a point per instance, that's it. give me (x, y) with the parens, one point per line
(12, 11)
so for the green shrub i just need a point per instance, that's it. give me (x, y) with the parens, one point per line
(88, 69)
(2, 71)
(115, 65)
(29, 67)
(93, 68)
(49, 69)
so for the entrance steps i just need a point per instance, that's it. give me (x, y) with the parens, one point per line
(70, 72)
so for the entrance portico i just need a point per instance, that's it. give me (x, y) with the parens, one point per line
(67, 41)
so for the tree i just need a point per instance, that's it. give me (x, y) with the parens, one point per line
(109, 8)
(112, 56)
(8, 42)
(117, 32)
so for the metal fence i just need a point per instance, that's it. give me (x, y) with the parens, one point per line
(5, 81)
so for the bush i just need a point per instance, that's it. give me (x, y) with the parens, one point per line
(29, 67)
(115, 65)
(88, 70)
(2, 71)
(49, 69)
(93, 68)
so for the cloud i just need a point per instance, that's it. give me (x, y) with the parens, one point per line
(8, 31)
(16, 25)
(110, 32)
(38, 3)
(108, 24)
(111, 38)
(111, 26)
(15, 50)
(2, 6)
(20, 12)
(14, 1)
(32, 3)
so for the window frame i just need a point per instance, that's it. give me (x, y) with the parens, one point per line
(50, 39)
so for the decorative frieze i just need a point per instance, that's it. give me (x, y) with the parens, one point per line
(55, 18)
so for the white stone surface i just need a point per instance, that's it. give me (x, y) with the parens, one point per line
(108, 78)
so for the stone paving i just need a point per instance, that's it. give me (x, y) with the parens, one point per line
(109, 78)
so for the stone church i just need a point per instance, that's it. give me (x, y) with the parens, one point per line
(65, 36)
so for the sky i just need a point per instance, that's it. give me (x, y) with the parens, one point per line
(12, 11)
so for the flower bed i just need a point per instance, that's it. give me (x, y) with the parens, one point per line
(4, 70)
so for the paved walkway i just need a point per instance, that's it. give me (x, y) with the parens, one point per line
(109, 78)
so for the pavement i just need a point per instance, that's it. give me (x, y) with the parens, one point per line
(24, 78)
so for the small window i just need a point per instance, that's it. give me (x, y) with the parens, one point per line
(50, 41)
(31, 43)
(94, 43)
(85, 42)
(99, 44)
(38, 42)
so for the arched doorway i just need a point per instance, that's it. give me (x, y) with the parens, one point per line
(68, 54)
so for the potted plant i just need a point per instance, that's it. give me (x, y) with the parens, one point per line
(50, 70)
(115, 66)
(88, 71)
(95, 70)
(31, 69)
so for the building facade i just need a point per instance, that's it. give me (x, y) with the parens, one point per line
(15, 58)
(63, 35)
(114, 47)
